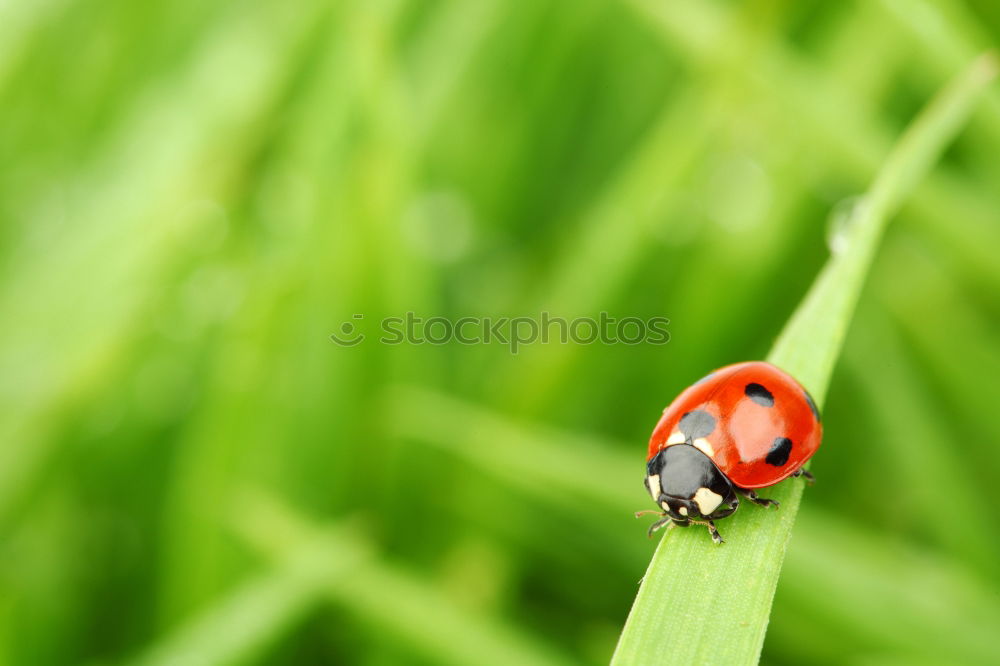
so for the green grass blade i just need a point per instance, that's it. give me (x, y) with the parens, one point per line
(819, 592)
(243, 624)
(399, 604)
(312, 564)
(523, 457)
(704, 604)
(838, 127)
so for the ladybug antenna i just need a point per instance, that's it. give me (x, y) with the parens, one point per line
(646, 512)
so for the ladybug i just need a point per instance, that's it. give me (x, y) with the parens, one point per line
(744, 426)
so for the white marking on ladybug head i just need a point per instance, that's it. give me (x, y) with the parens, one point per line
(683, 511)
(704, 446)
(707, 501)
(676, 437)
(653, 486)
(666, 507)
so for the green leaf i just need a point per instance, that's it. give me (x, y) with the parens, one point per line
(701, 603)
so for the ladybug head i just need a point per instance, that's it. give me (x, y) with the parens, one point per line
(685, 483)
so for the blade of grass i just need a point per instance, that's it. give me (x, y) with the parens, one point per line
(947, 35)
(610, 238)
(525, 456)
(242, 624)
(880, 570)
(313, 564)
(172, 136)
(832, 121)
(392, 599)
(703, 604)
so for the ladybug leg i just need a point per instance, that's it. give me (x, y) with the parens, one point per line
(728, 511)
(666, 520)
(759, 501)
(804, 473)
(711, 529)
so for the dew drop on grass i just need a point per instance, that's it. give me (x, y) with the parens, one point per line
(842, 218)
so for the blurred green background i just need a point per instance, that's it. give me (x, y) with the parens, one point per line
(194, 196)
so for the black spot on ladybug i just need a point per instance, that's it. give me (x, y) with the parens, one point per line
(697, 423)
(812, 405)
(760, 395)
(780, 450)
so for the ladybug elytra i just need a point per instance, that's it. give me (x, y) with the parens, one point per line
(744, 426)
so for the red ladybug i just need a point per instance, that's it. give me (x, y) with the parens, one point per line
(744, 426)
